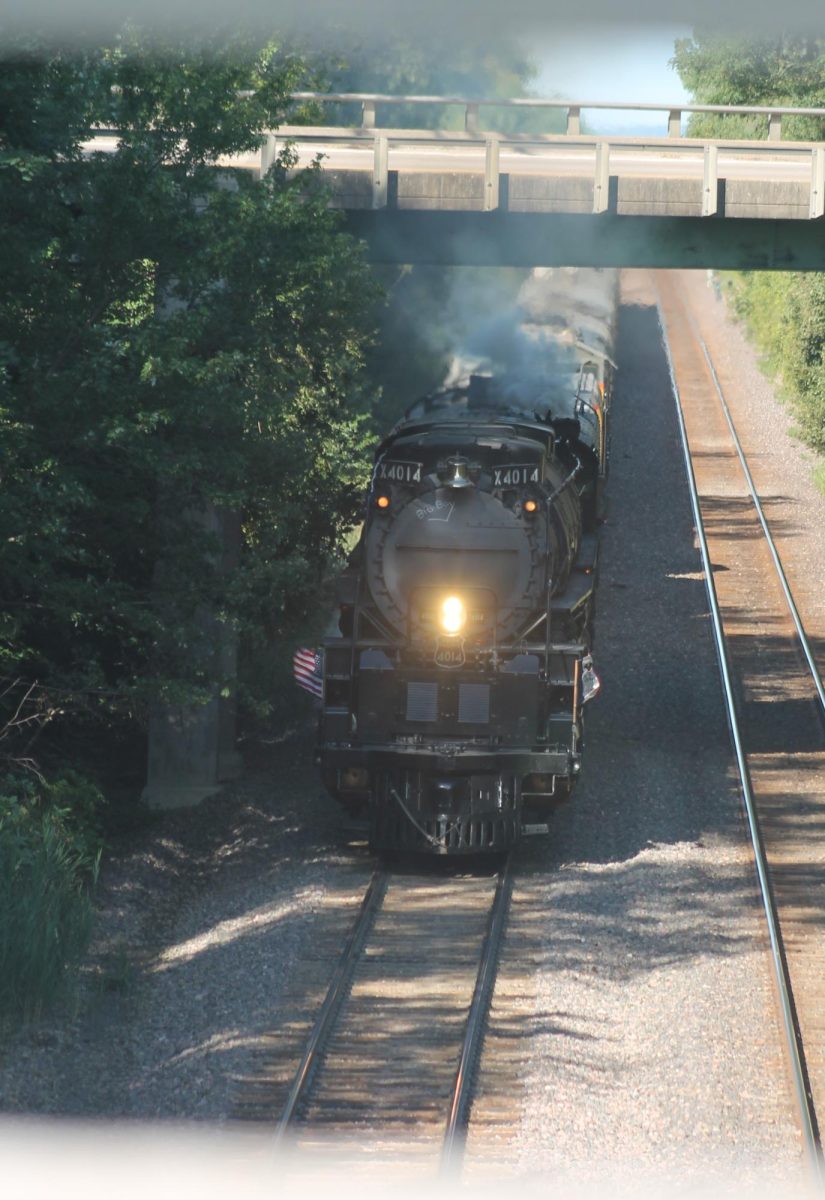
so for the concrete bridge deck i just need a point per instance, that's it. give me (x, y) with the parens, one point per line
(470, 195)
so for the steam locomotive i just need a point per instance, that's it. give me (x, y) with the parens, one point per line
(453, 695)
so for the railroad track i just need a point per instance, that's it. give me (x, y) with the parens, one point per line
(773, 693)
(395, 1044)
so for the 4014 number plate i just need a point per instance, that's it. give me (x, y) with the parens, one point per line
(450, 653)
(400, 472)
(515, 475)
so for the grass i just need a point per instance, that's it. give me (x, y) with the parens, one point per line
(49, 855)
(819, 476)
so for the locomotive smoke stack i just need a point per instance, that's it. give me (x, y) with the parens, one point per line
(479, 390)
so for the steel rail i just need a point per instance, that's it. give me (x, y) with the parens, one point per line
(336, 993)
(760, 512)
(802, 1094)
(456, 1130)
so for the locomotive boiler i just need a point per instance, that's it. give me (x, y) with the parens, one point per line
(453, 695)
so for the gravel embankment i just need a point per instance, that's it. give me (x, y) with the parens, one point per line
(203, 926)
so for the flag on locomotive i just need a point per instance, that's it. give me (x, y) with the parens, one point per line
(308, 670)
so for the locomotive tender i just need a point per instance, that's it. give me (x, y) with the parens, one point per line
(453, 697)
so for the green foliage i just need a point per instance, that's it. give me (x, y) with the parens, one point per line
(176, 342)
(784, 312)
(805, 356)
(785, 317)
(49, 855)
(785, 70)
(761, 299)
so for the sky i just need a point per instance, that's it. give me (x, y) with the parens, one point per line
(637, 69)
(487, 18)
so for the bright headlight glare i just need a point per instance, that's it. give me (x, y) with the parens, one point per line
(453, 614)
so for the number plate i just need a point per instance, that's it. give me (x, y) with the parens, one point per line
(400, 472)
(449, 653)
(515, 475)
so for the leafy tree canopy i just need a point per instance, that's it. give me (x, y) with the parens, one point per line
(175, 340)
(784, 313)
(786, 70)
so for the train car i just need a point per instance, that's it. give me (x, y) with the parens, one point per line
(453, 696)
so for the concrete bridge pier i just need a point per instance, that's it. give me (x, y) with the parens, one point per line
(192, 750)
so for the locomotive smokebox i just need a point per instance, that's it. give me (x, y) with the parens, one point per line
(454, 540)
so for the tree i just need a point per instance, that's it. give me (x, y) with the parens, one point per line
(785, 313)
(172, 337)
(785, 70)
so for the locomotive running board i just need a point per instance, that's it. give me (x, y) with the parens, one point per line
(578, 591)
(588, 556)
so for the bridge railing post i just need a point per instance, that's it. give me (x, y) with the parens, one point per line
(710, 182)
(774, 127)
(574, 121)
(269, 152)
(601, 178)
(817, 206)
(492, 177)
(380, 172)
(368, 114)
(674, 123)
(471, 118)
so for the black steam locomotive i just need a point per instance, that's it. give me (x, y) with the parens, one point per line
(453, 697)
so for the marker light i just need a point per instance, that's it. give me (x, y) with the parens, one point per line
(530, 506)
(383, 501)
(453, 614)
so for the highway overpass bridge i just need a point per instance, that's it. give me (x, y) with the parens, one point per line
(467, 196)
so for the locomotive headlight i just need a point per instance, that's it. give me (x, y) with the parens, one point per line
(453, 614)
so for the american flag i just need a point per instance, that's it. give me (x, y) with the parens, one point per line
(307, 669)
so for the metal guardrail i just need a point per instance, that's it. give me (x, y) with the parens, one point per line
(572, 108)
